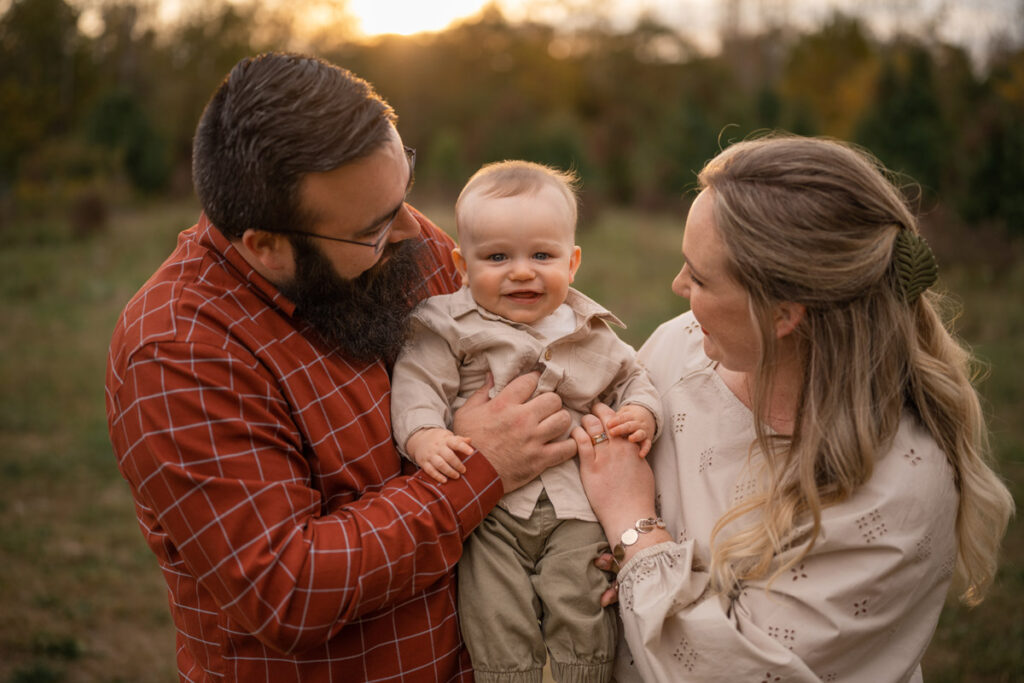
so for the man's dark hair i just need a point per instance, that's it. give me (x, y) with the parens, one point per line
(275, 118)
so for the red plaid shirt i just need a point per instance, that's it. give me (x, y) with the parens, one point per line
(266, 482)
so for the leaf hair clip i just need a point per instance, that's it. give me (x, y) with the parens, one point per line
(915, 264)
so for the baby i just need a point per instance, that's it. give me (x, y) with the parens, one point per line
(527, 582)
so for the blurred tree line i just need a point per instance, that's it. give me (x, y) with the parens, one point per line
(91, 117)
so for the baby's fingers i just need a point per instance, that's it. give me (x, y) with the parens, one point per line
(449, 464)
(622, 428)
(434, 474)
(460, 444)
(638, 435)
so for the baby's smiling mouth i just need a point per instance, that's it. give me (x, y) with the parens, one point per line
(523, 295)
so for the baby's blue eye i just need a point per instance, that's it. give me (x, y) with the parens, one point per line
(541, 256)
(496, 258)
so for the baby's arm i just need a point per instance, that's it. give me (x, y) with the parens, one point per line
(636, 421)
(435, 451)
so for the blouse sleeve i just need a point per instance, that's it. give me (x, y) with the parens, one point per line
(862, 605)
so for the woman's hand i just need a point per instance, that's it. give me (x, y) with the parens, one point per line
(618, 483)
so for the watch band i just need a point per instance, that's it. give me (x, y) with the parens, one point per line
(632, 535)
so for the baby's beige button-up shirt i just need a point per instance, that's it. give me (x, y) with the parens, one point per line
(454, 343)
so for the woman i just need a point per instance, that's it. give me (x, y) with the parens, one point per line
(825, 469)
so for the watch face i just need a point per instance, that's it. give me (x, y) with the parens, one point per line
(630, 536)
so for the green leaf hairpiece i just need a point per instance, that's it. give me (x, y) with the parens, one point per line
(915, 265)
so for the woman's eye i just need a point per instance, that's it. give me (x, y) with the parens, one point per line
(693, 278)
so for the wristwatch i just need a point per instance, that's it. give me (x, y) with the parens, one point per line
(632, 535)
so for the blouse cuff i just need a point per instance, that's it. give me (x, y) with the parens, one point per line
(635, 561)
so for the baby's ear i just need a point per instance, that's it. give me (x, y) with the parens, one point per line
(460, 265)
(574, 262)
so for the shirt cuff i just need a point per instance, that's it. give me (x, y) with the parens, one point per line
(474, 494)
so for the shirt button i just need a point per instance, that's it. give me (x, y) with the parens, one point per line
(547, 355)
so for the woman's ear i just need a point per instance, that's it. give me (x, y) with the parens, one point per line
(787, 316)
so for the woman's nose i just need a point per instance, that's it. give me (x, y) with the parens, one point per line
(681, 285)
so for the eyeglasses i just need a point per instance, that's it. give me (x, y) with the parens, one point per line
(385, 229)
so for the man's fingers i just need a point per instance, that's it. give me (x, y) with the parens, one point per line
(605, 562)
(520, 389)
(481, 395)
(610, 596)
(554, 425)
(558, 452)
(544, 403)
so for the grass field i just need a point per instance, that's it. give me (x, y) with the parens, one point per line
(81, 598)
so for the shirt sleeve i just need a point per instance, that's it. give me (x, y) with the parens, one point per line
(424, 382)
(862, 605)
(632, 385)
(233, 494)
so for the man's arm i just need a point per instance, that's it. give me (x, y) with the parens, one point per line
(209, 444)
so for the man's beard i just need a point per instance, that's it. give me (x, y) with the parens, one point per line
(367, 317)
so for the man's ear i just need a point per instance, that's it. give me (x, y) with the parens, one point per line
(270, 253)
(574, 262)
(460, 265)
(787, 316)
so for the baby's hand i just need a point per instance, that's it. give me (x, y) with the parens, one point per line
(434, 450)
(637, 422)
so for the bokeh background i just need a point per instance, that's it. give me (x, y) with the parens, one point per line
(99, 100)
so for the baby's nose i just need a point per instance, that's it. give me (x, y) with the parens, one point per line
(521, 270)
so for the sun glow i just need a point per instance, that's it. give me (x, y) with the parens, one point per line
(406, 17)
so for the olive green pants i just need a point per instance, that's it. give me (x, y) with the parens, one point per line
(527, 586)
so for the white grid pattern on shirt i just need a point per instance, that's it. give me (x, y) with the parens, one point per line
(210, 412)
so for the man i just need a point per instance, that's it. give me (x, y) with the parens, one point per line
(248, 398)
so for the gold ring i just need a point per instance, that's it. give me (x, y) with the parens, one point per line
(600, 438)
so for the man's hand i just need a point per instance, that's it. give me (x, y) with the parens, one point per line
(606, 562)
(513, 431)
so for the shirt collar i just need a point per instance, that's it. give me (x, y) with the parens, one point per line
(584, 307)
(208, 236)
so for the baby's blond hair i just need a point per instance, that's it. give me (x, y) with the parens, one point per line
(514, 178)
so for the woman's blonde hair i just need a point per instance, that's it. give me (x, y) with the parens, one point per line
(813, 221)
